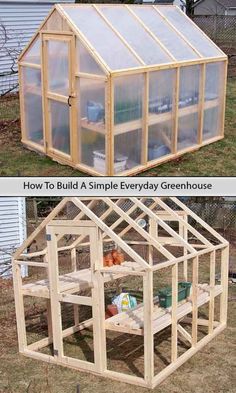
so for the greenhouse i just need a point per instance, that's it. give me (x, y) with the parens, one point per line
(117, 89)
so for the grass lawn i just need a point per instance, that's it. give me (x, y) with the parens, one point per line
(217, 159)
(212, 370)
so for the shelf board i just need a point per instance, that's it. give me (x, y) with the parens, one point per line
(97, 127)
(161, 117)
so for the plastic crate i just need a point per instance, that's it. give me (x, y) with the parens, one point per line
(165, 295)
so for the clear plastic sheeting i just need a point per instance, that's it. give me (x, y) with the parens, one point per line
(191, 32)
(33, 54)
(214, 83)
(85, 62)
(159, 140)
(128, 98)
(108, 45)
(189, 87)
(176, 45)
(188, 106)
(58, 67)
(135, 35)
(127, 150)
(91, 122)
(33, 104)
(60, 126)
(161, 89)
(187, 131)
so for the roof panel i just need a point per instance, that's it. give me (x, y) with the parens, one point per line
(102, 38)
(167, 35)
(135, 34)
(192, 33)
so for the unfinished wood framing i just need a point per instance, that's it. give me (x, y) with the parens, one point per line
(97, 225)
(115, 113)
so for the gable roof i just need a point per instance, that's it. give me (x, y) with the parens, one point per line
(109, 213)
(121, 36)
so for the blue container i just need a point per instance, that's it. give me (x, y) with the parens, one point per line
(95, 112)
(155, 151)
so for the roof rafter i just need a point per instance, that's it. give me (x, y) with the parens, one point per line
(111, 234)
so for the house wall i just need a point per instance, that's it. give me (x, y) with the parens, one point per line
(209, 7)
(21, 19)
(12, 230)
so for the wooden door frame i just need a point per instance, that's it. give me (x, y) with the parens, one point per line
(68, 37)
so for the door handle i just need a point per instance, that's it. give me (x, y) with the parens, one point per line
(68, 101)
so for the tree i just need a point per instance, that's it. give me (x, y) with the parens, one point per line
(9, 49)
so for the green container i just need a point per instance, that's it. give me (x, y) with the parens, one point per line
(165, 295)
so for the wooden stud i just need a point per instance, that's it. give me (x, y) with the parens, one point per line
(174, 330)
(19, 305)
(224, 283)
(212, 290)
(195, 267)
(148, 328)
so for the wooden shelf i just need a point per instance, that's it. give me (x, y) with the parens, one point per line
(75, 281)
(97, 127)
(161, 117)
(132, 321)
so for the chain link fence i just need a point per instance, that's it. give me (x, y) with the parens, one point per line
(219, 213)
(222, 30)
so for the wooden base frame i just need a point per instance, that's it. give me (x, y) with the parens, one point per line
(68, 31)
(148, 317)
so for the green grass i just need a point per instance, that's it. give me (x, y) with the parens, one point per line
(217, 159)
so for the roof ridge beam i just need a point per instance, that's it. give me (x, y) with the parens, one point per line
(141, 231)
(189, 226)
(151, 214)
(177, 31)
(141, 61)
(151, 33)
(85, 42)
(199, 220)
(111, 234)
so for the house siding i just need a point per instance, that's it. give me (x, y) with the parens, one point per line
(209, 7)
(12, 230)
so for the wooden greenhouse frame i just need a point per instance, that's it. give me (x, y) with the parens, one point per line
(152, 131)
(90, 219)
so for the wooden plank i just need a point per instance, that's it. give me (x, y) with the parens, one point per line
(19, 306)
(195, 267)
(160, 222)
(224, 283)
(54, 295)
(98, 301)
(137, 228)
(212, 287)
(184, 357)
(174, 330)
(183, 222)
(148, 330)
(224, 98)
(111, 234)
(184, 333)
(199, 220)
(75, 299)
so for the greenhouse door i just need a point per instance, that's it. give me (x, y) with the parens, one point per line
(59, 93)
